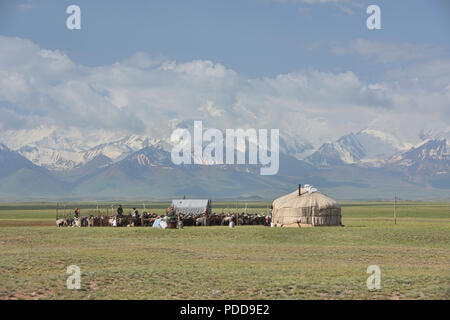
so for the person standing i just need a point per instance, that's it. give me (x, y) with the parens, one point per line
(119, 211)
(76, 214)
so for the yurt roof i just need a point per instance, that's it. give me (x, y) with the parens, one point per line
(314, 199)
(191, 206)
(190, 203)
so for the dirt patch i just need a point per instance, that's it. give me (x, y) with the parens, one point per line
(35, 295)
(26, 223)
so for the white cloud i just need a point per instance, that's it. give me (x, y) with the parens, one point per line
(48, 86)
(45, 89)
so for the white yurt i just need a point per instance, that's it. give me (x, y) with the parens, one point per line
(306, 207)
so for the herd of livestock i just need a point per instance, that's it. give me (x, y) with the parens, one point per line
(148, 219)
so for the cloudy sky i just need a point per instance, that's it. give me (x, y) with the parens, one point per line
(308, 67)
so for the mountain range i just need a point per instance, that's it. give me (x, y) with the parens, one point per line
(368, 164)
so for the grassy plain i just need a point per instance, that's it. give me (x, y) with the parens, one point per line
(247, 262)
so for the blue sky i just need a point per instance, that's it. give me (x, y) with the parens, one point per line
(308, 67)
(252, 37)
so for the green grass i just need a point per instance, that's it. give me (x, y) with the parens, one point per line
(248, 262)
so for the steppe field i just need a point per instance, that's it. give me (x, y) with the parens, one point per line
(247, 262)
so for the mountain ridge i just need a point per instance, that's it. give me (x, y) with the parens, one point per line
(343, 168)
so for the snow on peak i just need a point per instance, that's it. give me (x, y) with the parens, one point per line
(429, 149)
(3, 147)
(368, 146)
(60, 150)
(388, 138)
(444, 135)
(119, 149)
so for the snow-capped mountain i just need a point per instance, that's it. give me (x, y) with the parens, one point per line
(11, 161)
(147, 157)
(53, 152)
(137, 166)
(294, 146)
(380, 145)
(430, 150)
(61, 154)
(429, 159)
(345, 150)
(20, 177)
(119, 149)
(427, 162)
(368, 147)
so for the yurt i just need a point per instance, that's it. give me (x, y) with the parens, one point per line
(306, 207)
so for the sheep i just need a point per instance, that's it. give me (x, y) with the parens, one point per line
(61, 222)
